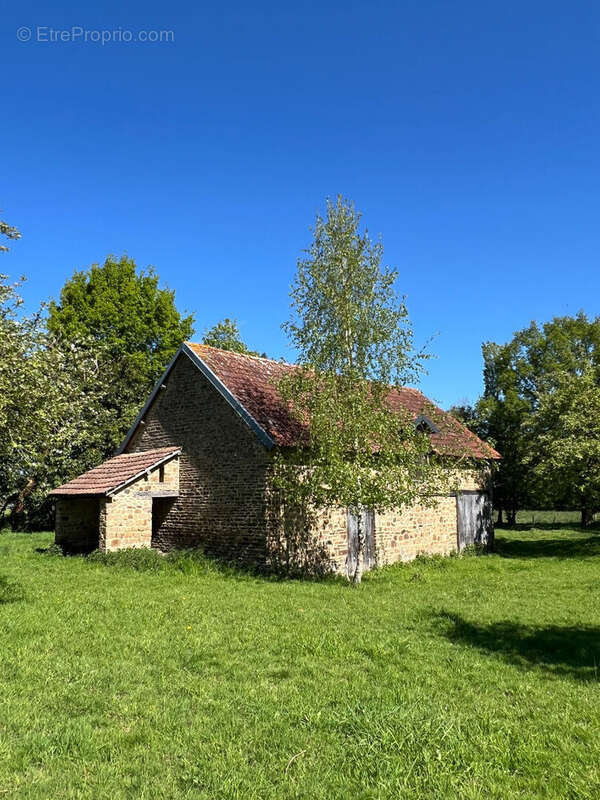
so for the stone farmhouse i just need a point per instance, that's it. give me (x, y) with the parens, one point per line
(194, 471)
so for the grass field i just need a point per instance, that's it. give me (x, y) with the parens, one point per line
(473, 677)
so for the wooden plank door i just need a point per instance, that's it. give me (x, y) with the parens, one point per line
(367, 523)
(475, 523)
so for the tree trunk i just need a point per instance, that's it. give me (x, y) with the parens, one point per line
(511, 516)
(500, 520)
(358, 569)
(587, 517)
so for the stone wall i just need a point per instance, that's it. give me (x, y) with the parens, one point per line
(126, 516)
(222, 499)
(126, 520)
(401, 535)
(418, 529)
(77, 523)
(332, 532)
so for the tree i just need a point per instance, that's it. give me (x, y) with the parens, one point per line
(10, 232)
(465, 413)
(131, 327)
(354, 341)
(48, 411)
(517, 375)
(566, 456)
(504, 419)
(226, 335)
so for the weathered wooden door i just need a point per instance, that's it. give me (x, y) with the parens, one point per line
(367, 531)
(475, 522)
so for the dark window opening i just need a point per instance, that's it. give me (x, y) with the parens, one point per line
(424, 425)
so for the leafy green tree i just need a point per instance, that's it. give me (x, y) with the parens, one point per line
(226, 335)
(464, 412)
(504, 419)
(566, 454)
(541, 355)
(354, 339)
(132, 328)
(10, 232)
(48, 411)
(516, 375)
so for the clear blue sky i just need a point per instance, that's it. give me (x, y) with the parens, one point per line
(467, 133)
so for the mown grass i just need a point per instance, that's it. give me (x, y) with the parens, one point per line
(473, 677)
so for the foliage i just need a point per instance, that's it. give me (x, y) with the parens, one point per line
(52, 550)
(504, 418)
(347, 317)
(118, 684)
(48, 410)
(465, 413)
(10, 232)
(132, 328)
(191, 561)
(226, 336)
(354, 340)
(566, 452)
(516, 376)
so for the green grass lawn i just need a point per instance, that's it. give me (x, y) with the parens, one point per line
(473, 677)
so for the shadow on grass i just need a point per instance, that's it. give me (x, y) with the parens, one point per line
(572, 651)
(10, 591)
(548, 548)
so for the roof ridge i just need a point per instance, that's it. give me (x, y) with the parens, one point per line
(280, 362)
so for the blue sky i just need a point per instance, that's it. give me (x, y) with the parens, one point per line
(467, 133)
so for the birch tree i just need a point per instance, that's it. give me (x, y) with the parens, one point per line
(354, 340)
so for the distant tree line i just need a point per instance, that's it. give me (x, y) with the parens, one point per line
(541, 409)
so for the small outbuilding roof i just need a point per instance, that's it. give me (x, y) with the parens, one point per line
(116, 473)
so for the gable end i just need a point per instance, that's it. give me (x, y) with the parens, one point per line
(235, 404)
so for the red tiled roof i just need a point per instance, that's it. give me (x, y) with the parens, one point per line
(252, 382)
(115, 472)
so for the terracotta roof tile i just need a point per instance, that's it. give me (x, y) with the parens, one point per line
(114, 472)
(252, 381)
